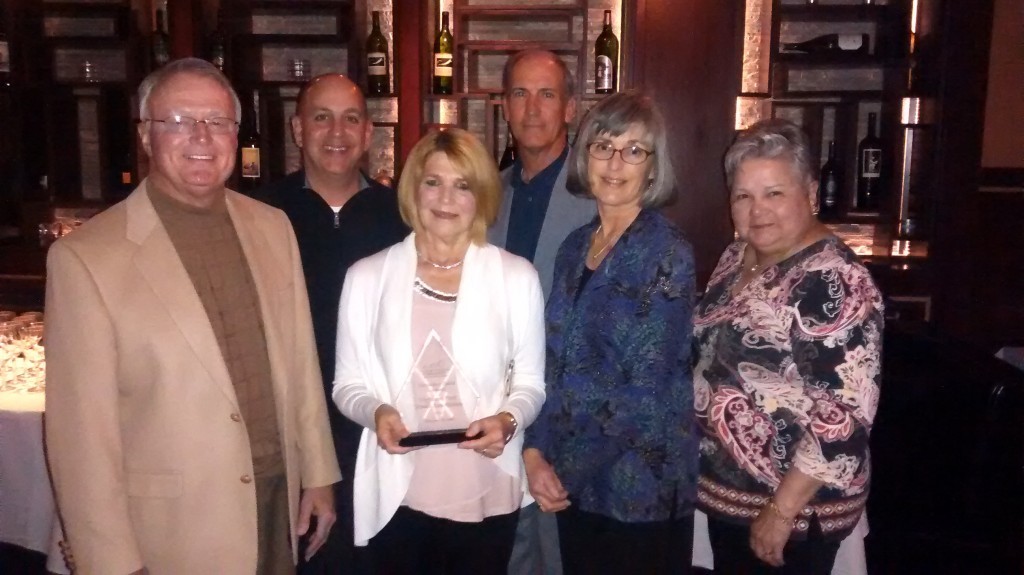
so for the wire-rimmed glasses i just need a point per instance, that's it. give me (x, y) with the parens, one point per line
(632, 154)
(177, 124)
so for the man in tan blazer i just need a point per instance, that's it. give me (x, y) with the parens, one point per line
(186, 426)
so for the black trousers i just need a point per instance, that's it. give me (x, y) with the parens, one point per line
(593, 544)
(730, 544)
(415, 543)
(339, 554)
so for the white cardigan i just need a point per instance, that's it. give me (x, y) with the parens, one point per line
(499, 317)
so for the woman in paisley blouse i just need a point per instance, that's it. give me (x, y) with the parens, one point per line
(614, 450)
(789, 340)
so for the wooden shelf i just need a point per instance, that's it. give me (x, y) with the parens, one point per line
(295, 39)
(795, 59)
(517, 45)
(291, 6)
(833, 13)
(862, 95)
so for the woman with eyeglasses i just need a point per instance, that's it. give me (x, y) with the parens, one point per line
(614, 450)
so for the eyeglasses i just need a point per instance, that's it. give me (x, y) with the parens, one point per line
(186, 125)
(630, 154)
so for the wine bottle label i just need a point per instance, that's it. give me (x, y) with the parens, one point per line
(830, 196)
(250, 162)
(5, 58)
(376, 64)
(443, 65)
(871, 160)
(603, 81)
(850, 41)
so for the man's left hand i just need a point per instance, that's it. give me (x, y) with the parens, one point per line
(318, 501)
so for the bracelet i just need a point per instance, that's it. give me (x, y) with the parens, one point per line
(790, 521)
(515, 426)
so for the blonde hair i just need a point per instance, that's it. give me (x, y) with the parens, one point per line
(469, 157)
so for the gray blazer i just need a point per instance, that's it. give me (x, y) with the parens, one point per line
(566, 212)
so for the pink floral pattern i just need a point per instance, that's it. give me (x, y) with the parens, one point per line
(787, 375)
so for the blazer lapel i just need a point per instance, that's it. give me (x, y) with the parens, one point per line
(159, 264)
(498, 232)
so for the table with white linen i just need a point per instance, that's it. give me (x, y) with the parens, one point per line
(850, 560)
(28, 517)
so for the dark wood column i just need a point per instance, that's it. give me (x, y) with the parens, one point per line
(409, 20)
(687, 56)
(978, 273)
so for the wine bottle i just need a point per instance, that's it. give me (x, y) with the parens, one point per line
(251, 172)
(869, 168)
(378, 81)
(829, 186)
(444, 58)
(606, 58)
(218, 50)
(122, 176)
(508, 157)
(830, 44)
(161, 40)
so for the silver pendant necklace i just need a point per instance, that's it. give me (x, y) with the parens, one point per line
(438, 266)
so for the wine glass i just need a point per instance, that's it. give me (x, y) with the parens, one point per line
(33, 374)
(9, 349)
(36, 316)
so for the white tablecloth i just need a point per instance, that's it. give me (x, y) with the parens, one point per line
(850, 560)
(27, 515)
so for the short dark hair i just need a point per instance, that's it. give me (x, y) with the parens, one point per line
(613, 116)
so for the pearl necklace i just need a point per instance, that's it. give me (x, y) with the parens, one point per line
(438, 266)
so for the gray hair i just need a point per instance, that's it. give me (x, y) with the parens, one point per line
(193, 66)
(510, 64)
(770, 139)
(613, 116)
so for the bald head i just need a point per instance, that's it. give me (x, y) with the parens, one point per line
(334, 83)
(332, 128)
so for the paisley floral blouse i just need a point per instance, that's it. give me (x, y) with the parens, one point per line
(618, 424)
(788, 375)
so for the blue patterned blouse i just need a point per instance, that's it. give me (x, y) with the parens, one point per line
(618, 424)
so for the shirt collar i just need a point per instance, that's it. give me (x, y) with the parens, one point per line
(363, 182)
(548, 173)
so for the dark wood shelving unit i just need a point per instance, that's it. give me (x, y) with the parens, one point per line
(480, 52)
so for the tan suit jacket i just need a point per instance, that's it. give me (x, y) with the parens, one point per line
(149, 456)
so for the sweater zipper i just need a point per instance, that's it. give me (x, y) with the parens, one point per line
(337, 217)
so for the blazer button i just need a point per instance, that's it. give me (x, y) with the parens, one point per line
(246, 479)
(236, 417)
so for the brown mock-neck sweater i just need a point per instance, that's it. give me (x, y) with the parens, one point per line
(208, 245)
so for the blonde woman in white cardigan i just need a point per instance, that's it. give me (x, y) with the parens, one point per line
(441, 331)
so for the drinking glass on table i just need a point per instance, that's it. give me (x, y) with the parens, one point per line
(9, 349)
(31, 341)
(32, 315)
